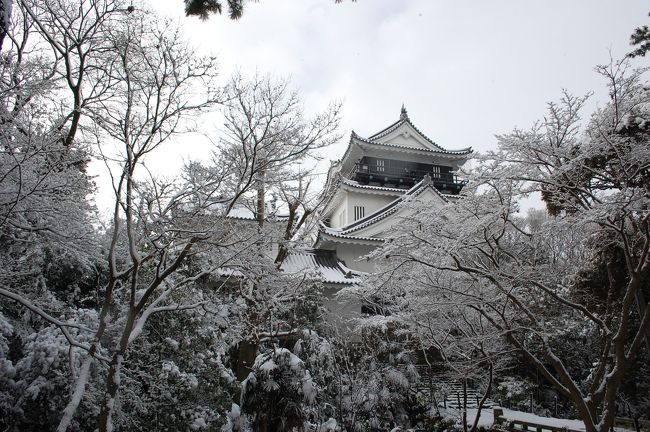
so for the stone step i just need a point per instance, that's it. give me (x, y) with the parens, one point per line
(446, 390)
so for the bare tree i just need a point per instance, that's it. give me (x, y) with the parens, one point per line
(98, 75)
(301, 202)
(54, 53)
(265, 140)
(267, 134)
(134, 84)
(157, 84)
(531, 293)
(76, 33)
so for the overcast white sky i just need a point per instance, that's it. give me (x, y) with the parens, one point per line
(465, 70)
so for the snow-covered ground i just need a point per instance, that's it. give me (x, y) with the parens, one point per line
(487, 419)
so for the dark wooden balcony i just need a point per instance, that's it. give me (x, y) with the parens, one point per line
(407, 176)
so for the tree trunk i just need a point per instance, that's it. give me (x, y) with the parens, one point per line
(260, 211)
(113, 377)
(112, 388)
(245, 357)
(641, 305)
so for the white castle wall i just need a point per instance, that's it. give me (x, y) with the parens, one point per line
(371, 203)
(351, 255)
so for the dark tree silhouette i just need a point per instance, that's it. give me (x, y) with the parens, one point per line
(5, 12)
(641, 39)
(204, 8)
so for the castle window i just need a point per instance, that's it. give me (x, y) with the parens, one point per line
(380, 165)
(435, 171)
(359, 212)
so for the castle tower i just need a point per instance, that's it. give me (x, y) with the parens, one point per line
(364, 188)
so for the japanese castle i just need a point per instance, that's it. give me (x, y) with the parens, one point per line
(363, 194)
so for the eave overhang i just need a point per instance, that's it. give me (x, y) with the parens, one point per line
(327, 236)
(351, 185)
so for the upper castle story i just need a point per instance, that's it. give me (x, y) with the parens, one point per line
(377, 170)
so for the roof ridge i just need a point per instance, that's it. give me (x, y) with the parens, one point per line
(350, 237)
(424, 136)
(404, 118)
(388, 129)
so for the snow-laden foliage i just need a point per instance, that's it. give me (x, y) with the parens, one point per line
(514, 392)
(367, 384)
(184, 297)
(37, 386)
(183, 372)
(275, 391)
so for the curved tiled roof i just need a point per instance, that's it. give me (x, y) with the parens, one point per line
(404, 118)
(461, 152)
(243, 213)
(357, 185)
(338, 234)
(322, 263)
(335, 175)
(375, 217)
(387, 130)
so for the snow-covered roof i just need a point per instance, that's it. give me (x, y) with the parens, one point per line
(379, 189)
(228, 272)
(349, 233)
(383, 190)
(436, 150)
(405, 126)
(385, 142)
(391, 207)
(327, 232)
(244, 213)
(401, 139)
(321, 263)
(404, 119)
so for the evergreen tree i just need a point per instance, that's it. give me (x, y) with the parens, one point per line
(204, 8)
(641, 39)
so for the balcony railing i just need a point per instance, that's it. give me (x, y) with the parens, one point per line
(406, 177)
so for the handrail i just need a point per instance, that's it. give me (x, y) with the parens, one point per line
(526, 425)
(538, 427)
(444, 181)
(414, 174)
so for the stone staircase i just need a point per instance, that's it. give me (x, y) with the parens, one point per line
(448, 392)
